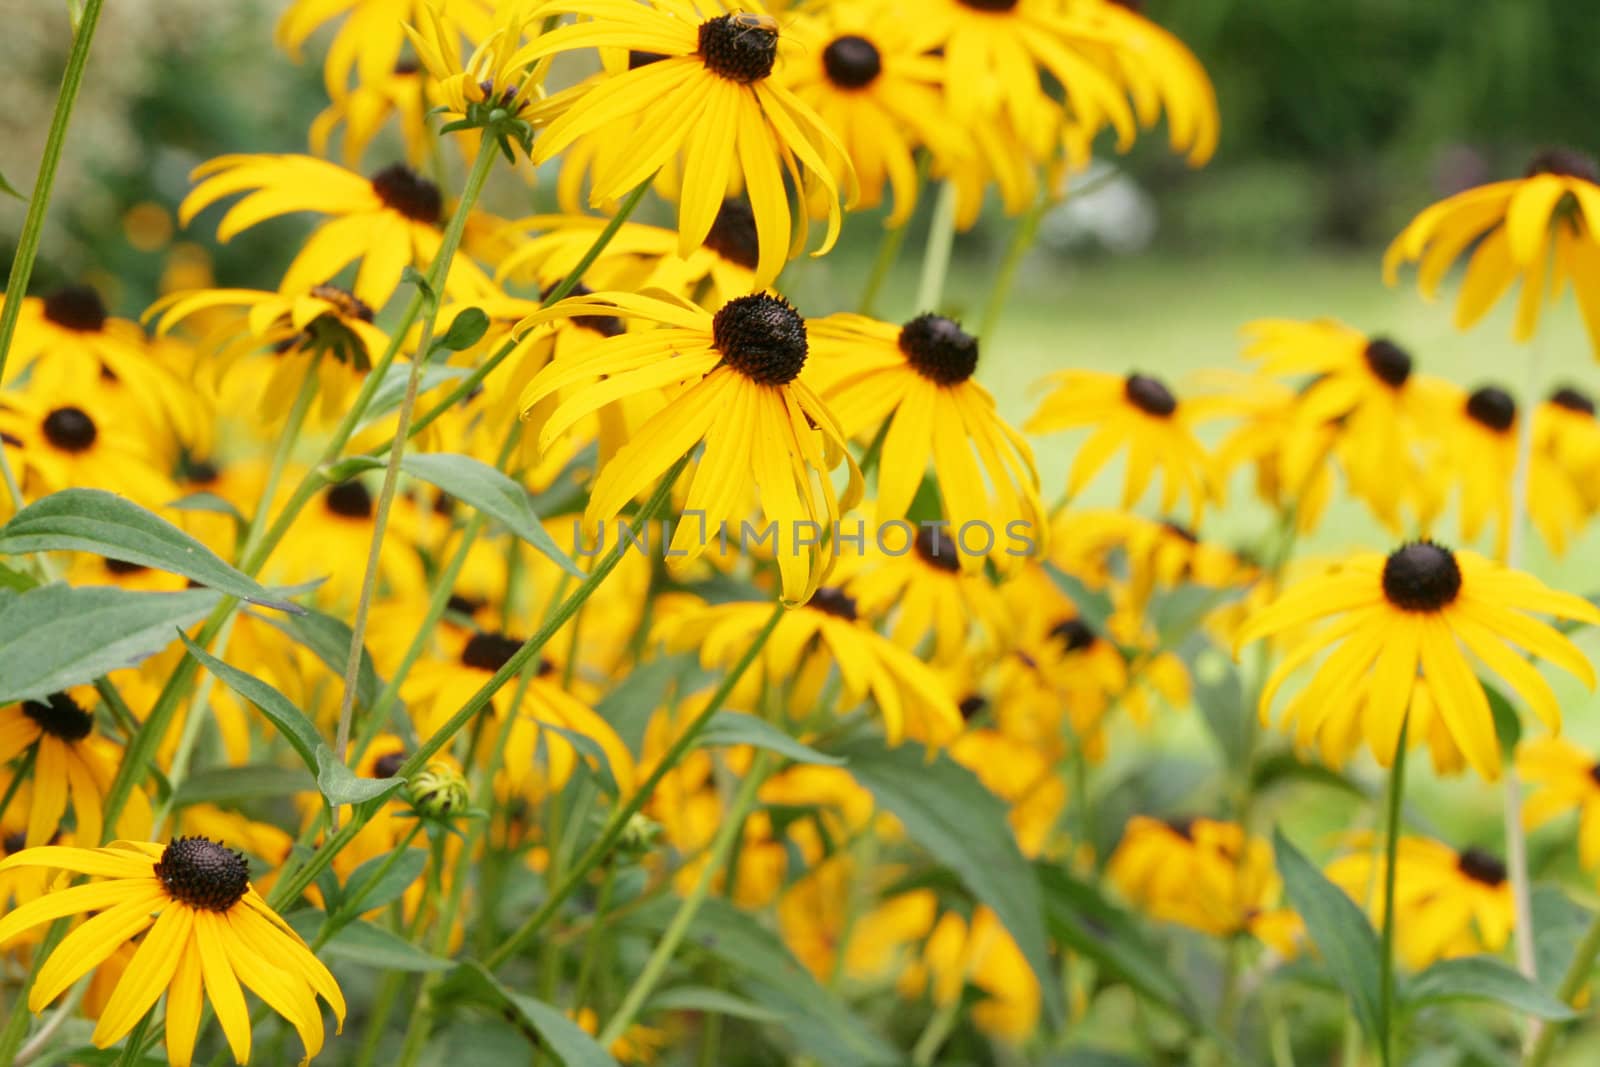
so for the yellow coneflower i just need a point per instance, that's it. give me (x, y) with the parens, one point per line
(1447, 903)
(366, 109)
(70, 763)
(1562, 778)
(1291, 456)
(978, 957)
(1542, 230)
(205, 928)
(713, 101)
(1566, 430)
(331, 539)
(1141, 412)
(370, 41)
(919, 379)
(827, 631)
(1400, 630)
(389, 222)
(928, 593)
(738, 388)
(881, 95)
(81, 438)
(1207, 875)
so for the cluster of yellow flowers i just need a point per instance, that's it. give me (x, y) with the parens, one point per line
(532, 572)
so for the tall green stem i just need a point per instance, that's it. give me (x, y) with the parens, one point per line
(1391, 846)
(936, 258)
(39, 202)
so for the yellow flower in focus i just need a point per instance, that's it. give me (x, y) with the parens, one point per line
(1404, 630)
(714, 103)
(204, 927)
(1446, 903)
(1542, 230)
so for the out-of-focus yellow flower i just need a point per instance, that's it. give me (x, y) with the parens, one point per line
(1562, 778)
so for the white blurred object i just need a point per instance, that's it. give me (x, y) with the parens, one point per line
(1112, 213)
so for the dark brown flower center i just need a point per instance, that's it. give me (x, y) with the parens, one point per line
(1074, 634)
(349, 500)
(1150, 395)
(1482, 866)
(990, 5)
(203, 874)
(201, 472)
(463, 605)
(488, 651)
(604, 325)
(1421, 577)
(59, 716)
(852, 62)
(1183, 826)
(1492, 408)
(348, 304)
(971, 707)
(937, 549)
(70, 429)
(761, 337)
(1565, 162)
(1573, 399)
(1389, 363)
(637, 59)
(741, 48)
(76, 307)
(388, 765)
(733, 234)
(939, 349)
(831, 600)
(404, 190)
(122, 566)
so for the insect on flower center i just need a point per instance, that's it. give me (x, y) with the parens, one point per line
(70, 429)
(203, 874)
(1389, 363)
(344, 301)
(937, 549)
(349, 500)
(762, 337)
(488, 651)
(741, 48)
(1150, 395)
(852, 62)
(1573, 399)
(407, 192)
(59, 716)
(939, 349)
(1421, 577)
(831, 600)
(733, 234)
(1566, 163)
(1492, 408)
(1074, 634)
(1482, 866)
(77, 308)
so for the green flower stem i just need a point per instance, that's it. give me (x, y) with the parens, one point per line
(133, 1047)
(16, 1026)
(289, 888)
(1572, 983)
(290, 438)
(1022, 238)
(935, 1033)
(936, 258)
(39, 202)
(193, 723)
(889, 247)
(462, 389)
(391, 474)
(618, 820)
(721, 848)
(351, 907)
(1387, 1009)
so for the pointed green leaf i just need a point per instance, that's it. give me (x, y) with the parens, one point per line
(561, 1036)
(737, 728)
(374, 890)
(1339, 929)
(290, 721)
(5, 186)
(1482, 978)
(328, 639)
(466, 330)
(250, 782)
(712, 1002)
(491, 492)
(341, 785)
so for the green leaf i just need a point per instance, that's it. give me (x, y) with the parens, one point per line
(1284, 767)
(208, 502)
(1222, 705)
(764, 970)
(391, 884)
(712, 1002)
(466, 330)
(1559, 925)
(737, 728)
(1482, 978)
(16, 580)
(491, 492)
(392, 388)
(290, 721)
(1090, 1057)
(341, 785)
(92, 520)
(1507, 725)
(55, 637)
(328, 639)
(10, 190)
(947, 811)
(571, 1045)
(1083, 920)
(631, 703)
(1093, 607)
(251, 782)
(594, 758)
(1340, 930)
(362, 943)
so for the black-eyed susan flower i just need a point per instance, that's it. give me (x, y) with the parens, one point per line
(1566, 430)
(977, 957)
(1562, 778)
(1447, 903)
(492, 87)
(82, 438)
(1138, 411)
(70, 764)
(331, 538)
(883, 97)
(826, 633)
(919, 379)
(712, 101)
(1205, 874)
(206, 932)
(926, 592)
(370, 41)
(389, 222)
(736, 386)
(1542, 230)
(1022, 775)
(1403, 632)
